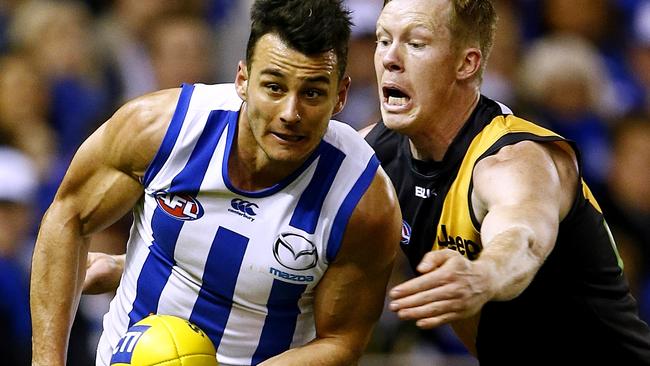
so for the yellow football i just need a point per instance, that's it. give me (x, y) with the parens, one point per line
(164, 340)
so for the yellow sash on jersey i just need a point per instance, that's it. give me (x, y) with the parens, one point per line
(456, 230)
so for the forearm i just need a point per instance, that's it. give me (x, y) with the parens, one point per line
(320, 352)
(512, 259)
(57, 273)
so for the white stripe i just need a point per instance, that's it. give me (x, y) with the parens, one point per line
(504, 108)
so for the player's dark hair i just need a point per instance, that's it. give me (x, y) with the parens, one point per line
(307, 26)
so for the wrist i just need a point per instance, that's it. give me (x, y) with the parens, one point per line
(488, 270)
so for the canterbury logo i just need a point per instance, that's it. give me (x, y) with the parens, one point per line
(244, 207)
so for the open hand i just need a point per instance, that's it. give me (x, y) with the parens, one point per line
(451, 287)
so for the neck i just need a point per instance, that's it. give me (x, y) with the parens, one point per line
(249, 168)
(433, 142)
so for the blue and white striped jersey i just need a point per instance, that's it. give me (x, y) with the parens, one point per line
(241, 265)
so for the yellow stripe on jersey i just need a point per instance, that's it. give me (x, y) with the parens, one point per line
(456, 230)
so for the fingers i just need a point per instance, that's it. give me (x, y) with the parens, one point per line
(92, 258)
(102, 274)
(416, 288)
(445, 292)
(434, 275)
(435, 259)
(421, 298)
(432, 314)
(433, 322)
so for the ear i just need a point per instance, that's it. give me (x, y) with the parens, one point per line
(469, 64)
(342, 94)
(241, 80)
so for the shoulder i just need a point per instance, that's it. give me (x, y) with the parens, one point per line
(375, 224)
(346, 139)
(528, 153)
(213, 97)
(528, 169)
(134, 133)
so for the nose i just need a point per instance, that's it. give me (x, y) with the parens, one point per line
(290, 113)
(391, 58)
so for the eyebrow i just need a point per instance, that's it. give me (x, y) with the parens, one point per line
(414, 24)
(310, 79)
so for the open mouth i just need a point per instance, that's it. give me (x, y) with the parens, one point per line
(395, 97)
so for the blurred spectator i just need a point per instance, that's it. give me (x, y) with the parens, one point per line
(593, 20)
(24, 109)
(231, 38)
(362, 106)
(639, 55)
(181, 49)
(7, 8)
(562, 78)
(123, 32)
(58, 37)
(629, 176)
(627, 202)
(500, 75)
(18, 181)
(599, 23)
(58, 81)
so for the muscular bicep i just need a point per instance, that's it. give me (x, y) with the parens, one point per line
(527, 186)
(103, 181)
(94, 191)
(350, 297)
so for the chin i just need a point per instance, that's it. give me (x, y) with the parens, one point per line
(396, 122)
(289, 156)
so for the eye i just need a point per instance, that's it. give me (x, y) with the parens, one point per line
(273, 88)
(313, 93)
(383, 41)
(416, 45)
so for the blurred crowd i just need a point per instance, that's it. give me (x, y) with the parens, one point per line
(581, 67)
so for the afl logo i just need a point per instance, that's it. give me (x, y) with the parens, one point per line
(295, 252)
(179, 206)
(406, 233)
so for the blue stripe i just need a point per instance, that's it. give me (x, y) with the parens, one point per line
(348, 205)
(307, 212)
(171, 135)
(280, 321)
(159, 262)
(157, 266)
(213, 306)
(189, 180)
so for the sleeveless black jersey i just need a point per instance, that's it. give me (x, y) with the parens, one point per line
(578, 309)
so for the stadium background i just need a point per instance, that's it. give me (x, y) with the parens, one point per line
(581, 67)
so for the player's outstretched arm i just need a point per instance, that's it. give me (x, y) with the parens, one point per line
(520, 196)
(350, 297)
(101, 185)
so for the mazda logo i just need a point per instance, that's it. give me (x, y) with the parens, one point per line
(295, 252)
